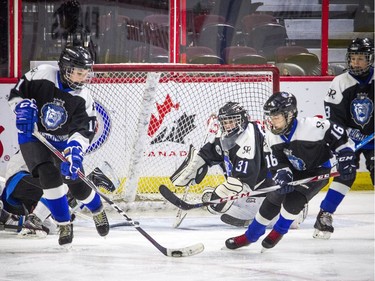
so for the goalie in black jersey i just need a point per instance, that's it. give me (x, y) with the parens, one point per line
(350, 103)
(55, 101)
(303, 148)
(238, 149)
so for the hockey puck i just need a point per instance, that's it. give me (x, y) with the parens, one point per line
(176, 254)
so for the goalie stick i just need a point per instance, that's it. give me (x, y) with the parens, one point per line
(172, 198)
(177, 252)
(180, 215)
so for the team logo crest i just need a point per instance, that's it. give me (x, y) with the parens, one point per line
(362, 109)
(296, 162)
(54, 115)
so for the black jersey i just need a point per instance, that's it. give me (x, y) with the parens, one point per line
(246, 158)
(309, 145)
(63, 114)
(350, 102)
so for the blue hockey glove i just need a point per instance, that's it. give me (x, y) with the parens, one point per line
(282, 178)
(346, 165)
(73, 153)
(26, 116)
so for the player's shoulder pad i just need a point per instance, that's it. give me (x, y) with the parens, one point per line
(338, 86)
(247, 143)
(42, 72)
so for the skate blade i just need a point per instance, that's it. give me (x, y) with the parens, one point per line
(26, 234)
(66, 247)
(318, 234)
(263, 250)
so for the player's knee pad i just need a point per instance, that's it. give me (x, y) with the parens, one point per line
(79, 190)
(294, 203)
(49, 175)
(269, 209)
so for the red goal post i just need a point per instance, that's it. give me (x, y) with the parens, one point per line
(150, 114)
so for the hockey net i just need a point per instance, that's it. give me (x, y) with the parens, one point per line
(150, 114)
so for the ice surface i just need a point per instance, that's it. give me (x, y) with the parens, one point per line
(126, 255)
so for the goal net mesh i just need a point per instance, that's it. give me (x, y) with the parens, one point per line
(149, 115)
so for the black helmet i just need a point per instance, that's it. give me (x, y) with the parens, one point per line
(232, 113)
(281, 103)
(363, 46)
(74, 57)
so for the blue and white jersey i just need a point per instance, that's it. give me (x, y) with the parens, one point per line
(350, 103)
(310, 144)
(63, 114)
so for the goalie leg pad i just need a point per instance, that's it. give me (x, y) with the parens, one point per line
(191, 171)
(231, 187)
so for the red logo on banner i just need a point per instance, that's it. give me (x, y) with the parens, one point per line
(1, 144)
(163, 110)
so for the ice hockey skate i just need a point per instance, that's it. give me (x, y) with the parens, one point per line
(65, 234)
(33, 227)
(101, 222)
(323, 225)
(9, 221)
(271, 240)
(237, 242)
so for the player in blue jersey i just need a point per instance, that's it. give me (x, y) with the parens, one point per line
(350, 103)
(56, 101)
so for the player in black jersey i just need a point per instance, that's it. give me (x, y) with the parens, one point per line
(303, 148)
(350, 103)
(56, 101)
(238, 149)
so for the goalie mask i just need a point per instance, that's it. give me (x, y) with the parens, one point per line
(75, 66)
(233, 120)
(280, 110)
(360, 56)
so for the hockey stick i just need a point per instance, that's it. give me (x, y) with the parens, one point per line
(364, 141)
(180, 213)
(172, 198)
(178, 252)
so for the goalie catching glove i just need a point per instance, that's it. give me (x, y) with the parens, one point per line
(231, 187)
(191, 171)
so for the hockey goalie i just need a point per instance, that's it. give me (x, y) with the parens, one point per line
(238, 148)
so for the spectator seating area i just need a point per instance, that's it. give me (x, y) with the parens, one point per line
(263, 34)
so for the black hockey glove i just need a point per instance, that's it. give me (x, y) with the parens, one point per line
(282, 178)
(346, 165)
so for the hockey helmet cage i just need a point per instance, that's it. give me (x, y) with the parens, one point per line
(280, 103)
(233, 119)
(74, 57)
(234, 113)
(364, 46)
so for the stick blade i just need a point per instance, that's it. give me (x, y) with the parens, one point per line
(179, 218)
(186, 251)
(173, 198)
